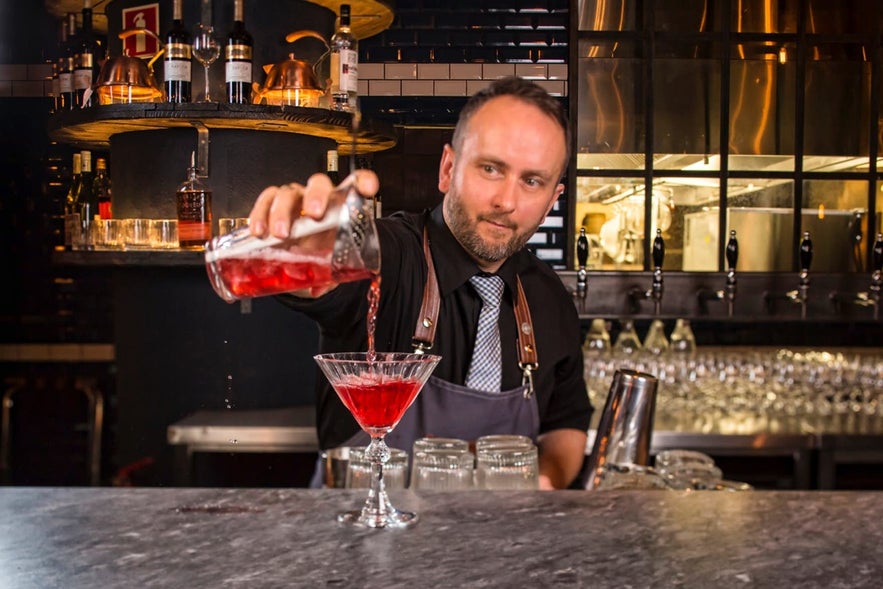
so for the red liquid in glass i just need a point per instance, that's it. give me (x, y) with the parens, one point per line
(378, 406)
(373, 302)
(252, 276)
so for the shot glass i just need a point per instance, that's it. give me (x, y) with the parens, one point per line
(358, 469)
(506, 462)
(163, 233)
(230, 224)
(108, 234)
(442, 464)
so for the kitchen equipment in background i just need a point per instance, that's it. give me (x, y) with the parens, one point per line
(765, 238)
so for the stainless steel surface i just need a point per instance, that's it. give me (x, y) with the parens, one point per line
(290, 429)
(626, 425)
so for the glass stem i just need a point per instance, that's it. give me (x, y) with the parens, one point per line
(377, 506)
(208, 98)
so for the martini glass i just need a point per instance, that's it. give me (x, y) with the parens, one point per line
(377, 392)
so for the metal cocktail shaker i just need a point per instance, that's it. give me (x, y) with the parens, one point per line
(626, 426)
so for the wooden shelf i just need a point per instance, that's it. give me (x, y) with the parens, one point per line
(104, 258)
(93, 127)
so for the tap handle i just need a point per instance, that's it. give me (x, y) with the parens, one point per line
(877, 257)
(582, 248)
(732, 251)
(658, 250)
(805, 253)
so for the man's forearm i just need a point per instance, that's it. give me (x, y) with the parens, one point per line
(561, 456)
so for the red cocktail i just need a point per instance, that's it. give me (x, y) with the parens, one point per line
(252, 276)
(378, 407)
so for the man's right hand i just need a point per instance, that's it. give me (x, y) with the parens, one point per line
(277, 207)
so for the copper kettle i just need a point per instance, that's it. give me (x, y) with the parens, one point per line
(125, 79)
(292, 82)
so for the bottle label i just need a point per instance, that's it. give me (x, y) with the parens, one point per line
(82, 79)
(178, 51)
(176, 71)
(349, 70)
(85, 61)
(56, 86)
(238, 71)
(238, 52)
(65, 83)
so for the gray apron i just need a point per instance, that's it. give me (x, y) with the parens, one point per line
(478, 413)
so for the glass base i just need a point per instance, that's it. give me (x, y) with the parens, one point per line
(390, 519)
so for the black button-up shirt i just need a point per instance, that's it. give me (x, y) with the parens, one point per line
(341, 315)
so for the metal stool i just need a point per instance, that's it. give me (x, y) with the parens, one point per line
(95, 399)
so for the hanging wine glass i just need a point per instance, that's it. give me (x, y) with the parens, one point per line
(206, 49)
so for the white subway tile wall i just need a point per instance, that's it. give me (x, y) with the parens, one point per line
(465, 71)
(21, 80)
(401, 71)
(417, 88)
(454, 79)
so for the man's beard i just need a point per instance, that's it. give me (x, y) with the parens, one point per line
(465, 232)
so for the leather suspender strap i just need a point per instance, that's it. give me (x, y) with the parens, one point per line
(424, 333)
(527, 348)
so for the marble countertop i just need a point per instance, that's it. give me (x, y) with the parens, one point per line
(231, 538)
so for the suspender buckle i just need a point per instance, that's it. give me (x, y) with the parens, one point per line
(421, 347)
(527, 369)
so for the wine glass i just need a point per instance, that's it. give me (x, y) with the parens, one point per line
(206, 49)
(377, 392)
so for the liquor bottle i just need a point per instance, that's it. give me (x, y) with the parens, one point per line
(102, 190)
(176, 66)
(331, 166)
(87, 204)
(66, 65)
(86, 59)
(71, 214)
(344, 64)
(194, 203)
(238, 54)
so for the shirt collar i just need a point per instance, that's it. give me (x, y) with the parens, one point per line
(453, 265)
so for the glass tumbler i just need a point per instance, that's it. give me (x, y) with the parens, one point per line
(506, 462)
(341, 247)
(442, 464)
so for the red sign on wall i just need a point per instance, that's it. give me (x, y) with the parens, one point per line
(141, 17)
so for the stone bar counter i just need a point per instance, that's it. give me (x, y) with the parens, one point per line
(174, 537)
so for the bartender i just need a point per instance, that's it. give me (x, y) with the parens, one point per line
(457, 281)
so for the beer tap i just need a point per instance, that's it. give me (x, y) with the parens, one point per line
(870, 297)
(800, 295)
(728, 293)
(582, 275)
(637, 294)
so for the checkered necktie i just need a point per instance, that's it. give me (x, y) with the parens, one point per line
(485, 370)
